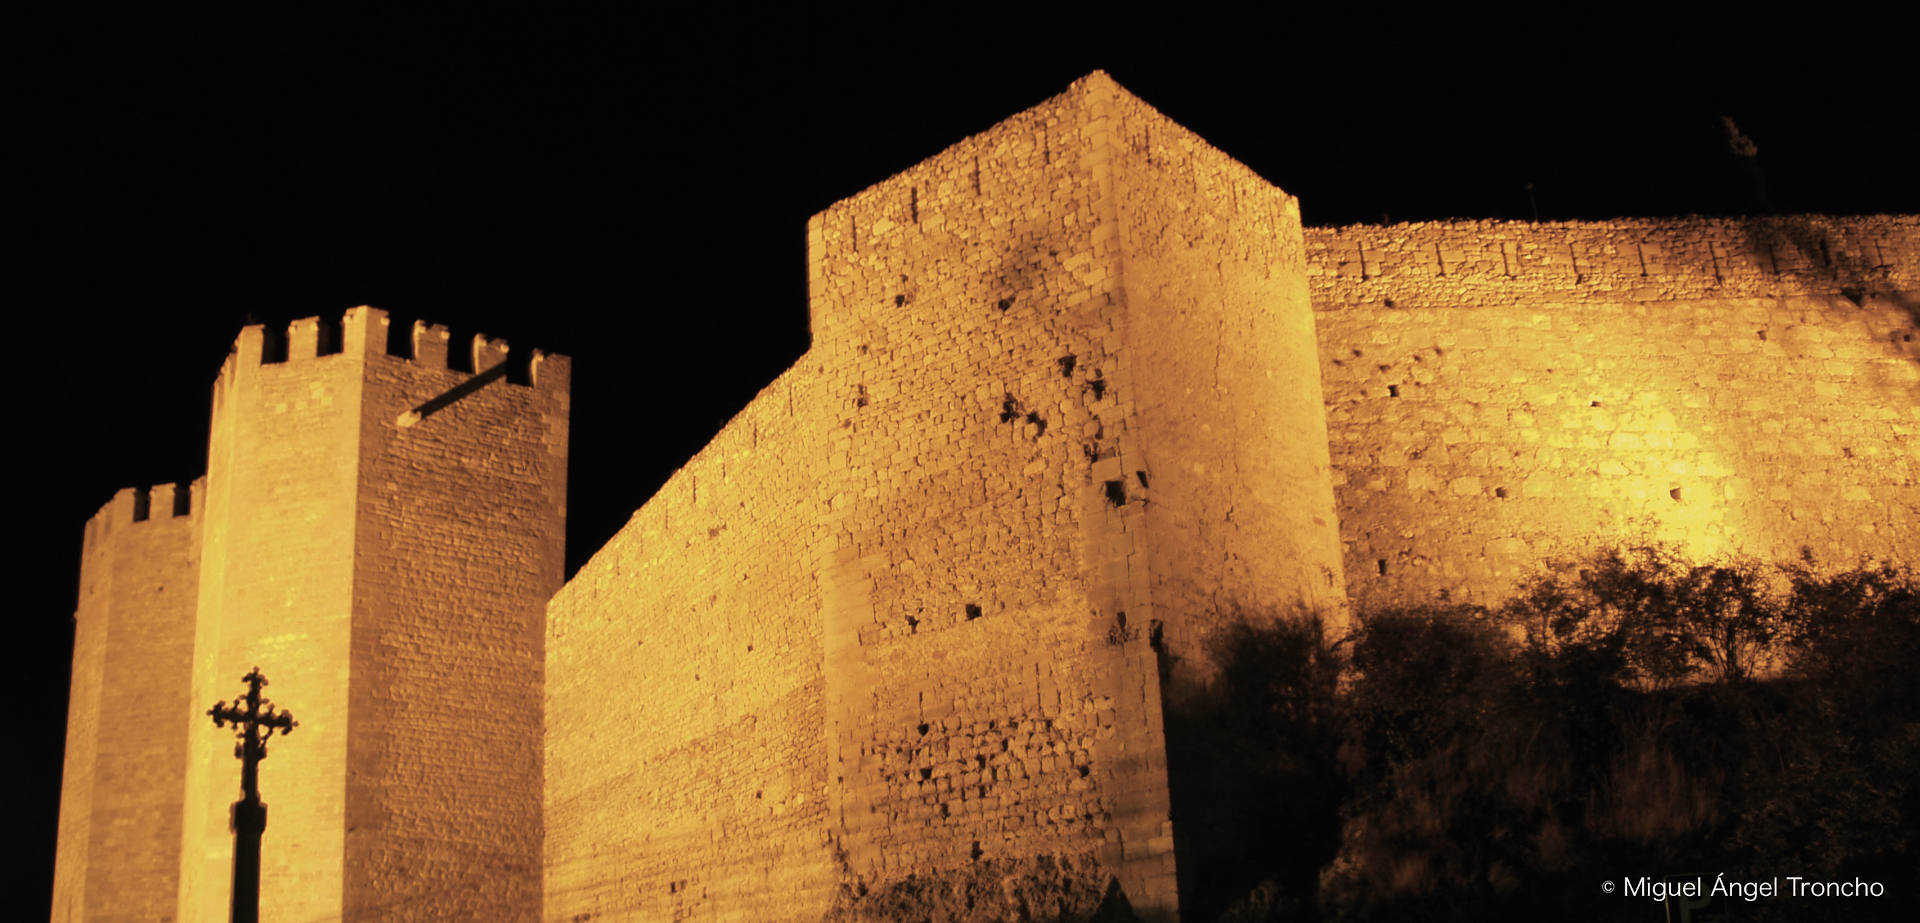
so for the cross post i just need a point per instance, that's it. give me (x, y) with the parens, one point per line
(253, 720)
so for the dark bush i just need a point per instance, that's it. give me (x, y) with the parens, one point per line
(1627, 714)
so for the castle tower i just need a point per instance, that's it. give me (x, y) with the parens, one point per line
(379, 534)
(1092, 434)
(126, 757)
(904, 619)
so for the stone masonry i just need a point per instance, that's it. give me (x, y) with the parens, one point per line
(1081, 389)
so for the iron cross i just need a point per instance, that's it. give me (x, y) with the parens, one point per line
(254, 720)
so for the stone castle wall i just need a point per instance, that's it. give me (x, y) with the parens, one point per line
(1499, 393)
(380, 534)
(1080, 391)
(460, 531)
(972, 313)
(127, 741)
(967, 504)
(686, 768)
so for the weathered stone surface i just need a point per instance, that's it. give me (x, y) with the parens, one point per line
(893, 642)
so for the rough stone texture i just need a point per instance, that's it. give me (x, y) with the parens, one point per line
(126, 753)
(1498, 392)
(685, 774)
(389, 572)
(952, 509)
(894, 641)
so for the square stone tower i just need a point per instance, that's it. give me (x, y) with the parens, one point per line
(379, 535)
(1083, 428)
(903, 620)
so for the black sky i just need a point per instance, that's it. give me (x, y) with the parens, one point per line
(628, 183)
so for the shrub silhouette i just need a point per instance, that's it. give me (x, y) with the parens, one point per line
(1630, 713)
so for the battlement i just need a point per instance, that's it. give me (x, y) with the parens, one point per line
(151, 503)
(1461, 263)
(367, 332)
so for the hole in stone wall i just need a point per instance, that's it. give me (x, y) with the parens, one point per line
(182, 499)
(1117, 492)
(1009, 409)
(1381, 565)
(977, 852)
(1393, 390)
(945, 811)
(1674, 493)
(1066, 366)
(913, 204)
(1098, 384)
(1593, 404)
(273, 345)
(400, 336)
(460, 351)
(519, 366)
(1084, 770)
(1005, 303)
(329, 338)
(926, 773)
(1041, 424)
(913, 625)
(980, 761)
(899, 301)
(1390, 303)
(1500, 492)
(860, 399)
(142, 504)
(1762, 334)
(757, 795)
(1140, 476)
(973, 611)
(923, 728)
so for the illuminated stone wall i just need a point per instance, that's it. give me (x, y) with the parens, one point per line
(460, 531)
(947, 534)
(1500, 392)
(389, 572)
(686, 773)
(983, 702)
(1080, 389)
(126, 750)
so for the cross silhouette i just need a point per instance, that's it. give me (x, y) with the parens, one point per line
(253, 720)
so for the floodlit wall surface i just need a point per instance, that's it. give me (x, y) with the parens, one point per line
(126, 756)
(952, 501)
(985, 702)
(458, 543)
(381, 535)
(1232, 463)
(686, 773)
(1081, 390)
(276, 592)
(1498, 393)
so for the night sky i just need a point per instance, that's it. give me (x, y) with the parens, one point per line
(628, 183)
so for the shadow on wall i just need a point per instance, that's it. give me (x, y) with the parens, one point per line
(1465, 763)
(1851, 272)
(1256, 794)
